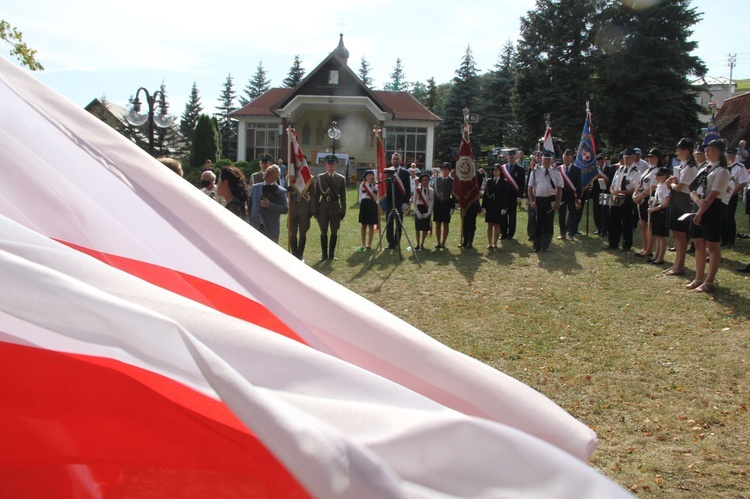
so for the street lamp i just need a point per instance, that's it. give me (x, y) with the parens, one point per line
(162, 118)
(334, 133)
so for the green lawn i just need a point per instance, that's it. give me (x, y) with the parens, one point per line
(659, 372)
(743, 85)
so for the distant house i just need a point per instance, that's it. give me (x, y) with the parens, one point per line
(332, 92)
(712, 89)
(733, 119)
(111, 114)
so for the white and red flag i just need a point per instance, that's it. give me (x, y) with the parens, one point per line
(302, 178)
(141, 355)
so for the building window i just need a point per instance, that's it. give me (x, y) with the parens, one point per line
(333, 77)
(262, 137)
(411, 142)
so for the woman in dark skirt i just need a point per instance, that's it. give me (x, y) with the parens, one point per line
(679, 203)
(707, 191)
(495, 204)
(657, 216)
(368, 208)
(423, 201)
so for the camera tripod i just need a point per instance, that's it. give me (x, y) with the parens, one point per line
(398, 226)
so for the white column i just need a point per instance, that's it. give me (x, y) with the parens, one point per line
(430, 145)
(241, 141)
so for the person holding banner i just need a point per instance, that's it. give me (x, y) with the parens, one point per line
(571, 200)
(545, 194)
(368, 209)
(398, 198)
(424, 202)
(515, 177)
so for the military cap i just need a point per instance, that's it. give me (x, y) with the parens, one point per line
(662, 171)
(600, 156)
(424, 175)
(731, 150)
(568, 152)
(686, 143)
(637, 150)
(369, 172)
(701, 148)
(628, 153)
(654, 152)
(331, 158)
(512, 152)
(548, 154)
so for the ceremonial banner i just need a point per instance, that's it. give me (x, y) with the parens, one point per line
(154, 344)
(301, 171)
(465, 186)
(586, 157)
(547, 144)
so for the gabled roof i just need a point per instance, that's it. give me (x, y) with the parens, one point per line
(400, 105)
(733, 119)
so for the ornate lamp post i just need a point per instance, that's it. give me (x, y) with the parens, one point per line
(334, 133)
(160, 118)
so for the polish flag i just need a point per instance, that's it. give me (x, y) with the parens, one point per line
(149, 348)
(301, 173)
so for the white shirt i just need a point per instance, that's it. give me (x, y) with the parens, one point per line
(545, 185)
(631, 176)
(661, 195)
(685, 175)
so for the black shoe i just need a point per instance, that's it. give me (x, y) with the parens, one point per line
(745, 269)
(609, 247)
(535, 249)
(625, 249)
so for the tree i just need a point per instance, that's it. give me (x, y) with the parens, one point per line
(21, 51)
(205, 142)
(189, 119)
(296, 73)
(497, 123)
(553, 75)
(364, 73)
(430, 100)
(256, 86)
(464, 93)
(226, 125)
(398, 81)
(642, 63)
(418, 90)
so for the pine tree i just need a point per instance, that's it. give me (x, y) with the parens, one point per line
(227, 126)
(398, 81)
(553, 74)
(430, 100)
(497, 123)
(643, 95)
(418, 90)
(256, 86)
(364, 73)
(296, 73)
(464, 93)
(189, 119)
(205, 143)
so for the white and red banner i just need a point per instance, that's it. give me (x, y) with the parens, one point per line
(148, 347)
(465, 185)
(302, 178)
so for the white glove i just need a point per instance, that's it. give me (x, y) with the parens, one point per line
(452, 210)
(405, 207)
(503, 212)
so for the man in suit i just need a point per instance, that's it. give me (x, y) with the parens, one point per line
(571, 201)
(267, 203)
(398, 195)
(515, 175)
(330, 191)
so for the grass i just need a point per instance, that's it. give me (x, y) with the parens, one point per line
(659, 372)
(743, 85)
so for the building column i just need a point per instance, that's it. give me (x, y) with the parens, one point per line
(241, 141)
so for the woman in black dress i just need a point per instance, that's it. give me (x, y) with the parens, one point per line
(368, 208)
(494, 204)
(679, 202)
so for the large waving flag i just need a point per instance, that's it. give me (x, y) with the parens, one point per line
(586, 157)
(465, 186)
(141, 355)
(547, 144)
(301, 171)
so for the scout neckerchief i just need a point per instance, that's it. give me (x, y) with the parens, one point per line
(510, 179)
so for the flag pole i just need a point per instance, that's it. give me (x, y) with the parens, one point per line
(292, 163)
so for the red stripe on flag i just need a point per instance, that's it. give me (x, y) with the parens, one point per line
(81, 426)
(197, 289)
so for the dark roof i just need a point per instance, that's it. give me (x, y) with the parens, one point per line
(405, 106)
(733, 118)
(262, 105)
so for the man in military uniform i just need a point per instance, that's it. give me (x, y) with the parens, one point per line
(622, 210)
(515, 175)
(331, 206)
(301, 209)
(398, 196)
(545, 193)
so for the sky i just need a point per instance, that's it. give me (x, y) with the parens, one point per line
(94, 49)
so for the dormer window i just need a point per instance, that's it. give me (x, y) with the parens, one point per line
(333, 77)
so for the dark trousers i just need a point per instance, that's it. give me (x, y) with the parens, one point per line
(621, 224)
(568, 217)
(601, 215)
(545, 222)
(728, 223)
(508, 221)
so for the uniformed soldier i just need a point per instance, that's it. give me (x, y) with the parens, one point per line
(331, 206)
(545, 193)
(301, 209)
(264, 160)
(622, 210)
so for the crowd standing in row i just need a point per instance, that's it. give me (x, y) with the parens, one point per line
(695, 196)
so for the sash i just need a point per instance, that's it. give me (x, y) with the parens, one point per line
(369, 192)
(603, 175)
(421, 197)
(507, 176)
(568, 182)
(399, 182)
